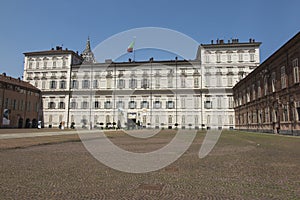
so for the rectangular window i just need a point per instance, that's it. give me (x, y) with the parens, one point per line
(144, 104)
(96, 104)
(61, 105)
(251, 57)
(196, 120)
(107, 105)
(85, 84)
(208, 104)
(51, 105)
(52, 84)
(220, 120)
(157, 82)
(120, 104)
(43, 84)
(265, 86)
(240, 57)
(145, 83)
(283, 77)
(22, 105)
(183, 81)
(219, 102)
(218, 57)
(219, 80)
(273, 82)
(298, 113)
(108, 83)
(266, 114)
(121, 83)
(230, 119)
(207, 81)
(229, 57)
(132, 105)
(170, 119)
(62, 85)
(183, 102)
(157, 104)
(208, 119)
(144, 120)
(133, 83)
(285, 113)
(74, 84)
(295, 70)
(196, 102)
(230, 102)
(6, 103)
(73, 105)
(196, 82)
(258, 90)
(170, 81)
(14, 104)
(170, 104)
(84, 105)
(229, 81)
(207, 58)
(95, 84)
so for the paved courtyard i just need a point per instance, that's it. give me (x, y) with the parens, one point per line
(241, 166)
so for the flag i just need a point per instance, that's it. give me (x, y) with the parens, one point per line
(130, 47)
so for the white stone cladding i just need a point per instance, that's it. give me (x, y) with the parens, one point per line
(152, 94)
(223, 65)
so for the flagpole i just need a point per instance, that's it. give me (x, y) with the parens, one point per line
(134, 49)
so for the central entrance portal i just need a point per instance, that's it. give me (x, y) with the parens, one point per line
(131, 120)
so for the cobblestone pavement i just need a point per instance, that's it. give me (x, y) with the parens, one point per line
(241, 166)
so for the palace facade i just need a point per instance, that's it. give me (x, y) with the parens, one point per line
(268, 99)
(151, 94)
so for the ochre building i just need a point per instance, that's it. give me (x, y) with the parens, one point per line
(20, 103)
(268, 99)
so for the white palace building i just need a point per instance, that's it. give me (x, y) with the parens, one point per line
(146, 94)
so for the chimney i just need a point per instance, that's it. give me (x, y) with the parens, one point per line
(108, 60)
(4, 74)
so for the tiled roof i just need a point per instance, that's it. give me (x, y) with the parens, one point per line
(17, 82)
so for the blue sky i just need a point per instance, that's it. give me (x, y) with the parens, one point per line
(34, 25)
